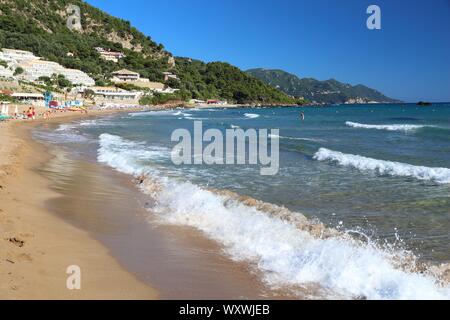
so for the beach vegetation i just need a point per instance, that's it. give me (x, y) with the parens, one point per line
(40, 27)
(18, 71)
(7, 98)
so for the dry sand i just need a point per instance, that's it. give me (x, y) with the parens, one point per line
(36, 247)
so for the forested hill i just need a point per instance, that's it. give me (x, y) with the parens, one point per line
(40, 26)
(329, 91)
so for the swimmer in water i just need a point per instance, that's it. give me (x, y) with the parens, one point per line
(302, 116)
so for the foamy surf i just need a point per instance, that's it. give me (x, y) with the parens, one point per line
(388, 127)
(295, 138)
(114, 149)
(287, 248)
(383, 167)
(158, 113)
(251, 115)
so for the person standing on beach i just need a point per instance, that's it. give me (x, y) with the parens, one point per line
(29, 113)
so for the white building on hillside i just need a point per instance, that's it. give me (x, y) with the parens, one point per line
(115, 95)
(134, 78)
(125, 75)
(12, 56)
(169, 75)
(6, 73)
(34, 68)
(109, 55)
(78, 77)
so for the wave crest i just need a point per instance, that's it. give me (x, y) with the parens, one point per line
(251, 115)
(383, 167)
(289, 249)
(295, 138)
(388, 127)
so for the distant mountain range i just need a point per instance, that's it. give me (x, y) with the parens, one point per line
(329, 91)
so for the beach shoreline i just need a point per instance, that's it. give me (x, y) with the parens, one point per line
(40, 219)
(146, 260)
(37, 247)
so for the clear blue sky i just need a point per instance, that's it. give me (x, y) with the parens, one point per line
(408, 59)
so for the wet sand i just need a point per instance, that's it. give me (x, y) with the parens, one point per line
(76, 212)
(36, 247)
(178, 261)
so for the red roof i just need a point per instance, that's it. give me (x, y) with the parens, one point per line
(6, 92)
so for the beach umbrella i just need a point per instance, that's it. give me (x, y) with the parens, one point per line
(7, 110)
(16, 111)
(3, 109)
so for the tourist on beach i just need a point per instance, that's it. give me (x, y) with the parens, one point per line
(33, 113)
(29, 114)
(141, 179)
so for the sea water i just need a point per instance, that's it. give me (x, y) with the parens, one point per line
(360, 206)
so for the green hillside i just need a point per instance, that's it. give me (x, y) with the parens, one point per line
(329, 91)
(40, 26)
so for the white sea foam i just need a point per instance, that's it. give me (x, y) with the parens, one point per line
(251, 115)
(89, 123)
(388, 127)
(152, 113)
(285, 253)
(61, 136)
(66, 127)
(383, 167)
(65, 133)
(85, 123)
(295, 138)
(127, 155)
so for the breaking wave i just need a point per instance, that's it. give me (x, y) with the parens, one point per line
(286, 247)
(251, 115)
(295, 138)
(388, 127)
(158, 113)
(383, 167)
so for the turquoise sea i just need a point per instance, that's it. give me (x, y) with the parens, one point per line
(378, 176)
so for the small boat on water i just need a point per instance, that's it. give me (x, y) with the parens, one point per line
(424, 104)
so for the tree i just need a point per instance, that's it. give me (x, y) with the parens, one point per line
(46, 80)
(173, 83)
(88, 94)
(18, 71)
(62, 82)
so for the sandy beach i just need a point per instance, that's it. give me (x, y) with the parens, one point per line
(40, 220)
(36, 247)
(58, 210)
